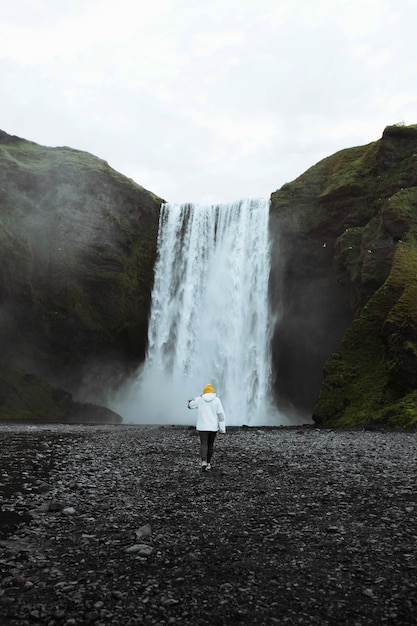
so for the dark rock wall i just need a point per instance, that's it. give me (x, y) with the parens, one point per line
(312, 312)
(345, 264)
(77, 251)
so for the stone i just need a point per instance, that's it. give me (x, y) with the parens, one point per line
(143, 531)
(141, 549)
(69, 510)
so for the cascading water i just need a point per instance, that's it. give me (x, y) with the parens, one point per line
(210, 319)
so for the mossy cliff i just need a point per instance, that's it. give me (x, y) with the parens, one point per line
(345, 269)
(77, 251)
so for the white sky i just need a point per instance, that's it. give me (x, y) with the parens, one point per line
(207, 101)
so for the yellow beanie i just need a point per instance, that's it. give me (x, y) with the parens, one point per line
(208, 389)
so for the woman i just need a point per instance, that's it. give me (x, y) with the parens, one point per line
(210, 420)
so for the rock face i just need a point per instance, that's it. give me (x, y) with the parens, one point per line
(77, 250)
(345, 268)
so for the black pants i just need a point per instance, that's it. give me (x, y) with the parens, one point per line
(207, 438)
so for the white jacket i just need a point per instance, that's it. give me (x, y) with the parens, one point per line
(210, 412)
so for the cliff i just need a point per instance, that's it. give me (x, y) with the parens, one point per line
(344, 285)
(77, 250)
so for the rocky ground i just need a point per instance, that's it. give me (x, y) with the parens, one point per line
(117, 525)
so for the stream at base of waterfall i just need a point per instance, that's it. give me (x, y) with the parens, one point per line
(210, 319)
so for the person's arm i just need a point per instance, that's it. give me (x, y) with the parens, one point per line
(220, 417)
(192, 404)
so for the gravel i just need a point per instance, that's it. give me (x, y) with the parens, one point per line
(117, 525)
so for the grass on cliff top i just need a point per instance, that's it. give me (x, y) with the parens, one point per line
(344, 168)
(350, 186)
(29, 156)
(350, 169)
(310, 197)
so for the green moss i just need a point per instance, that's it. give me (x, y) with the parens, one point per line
(373, 194)
(33, 158)
(362, 382)
(360, 374)
(404, 200)
(402, 414)
(349, 169)
(24, 396)
(348, 255)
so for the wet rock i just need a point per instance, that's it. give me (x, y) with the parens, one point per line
(42, 487)
(69, 510)
(141, 549)
(56, 506)
(143, 531)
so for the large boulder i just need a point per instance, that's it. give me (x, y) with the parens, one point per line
(77, 252)
(343, 285)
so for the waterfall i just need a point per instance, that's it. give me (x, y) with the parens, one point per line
(210, 320)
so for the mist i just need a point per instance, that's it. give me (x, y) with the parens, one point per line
(210, 318)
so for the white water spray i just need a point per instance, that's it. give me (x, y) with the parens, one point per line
(210, 320)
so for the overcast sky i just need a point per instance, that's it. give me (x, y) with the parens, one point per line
(207, 101)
